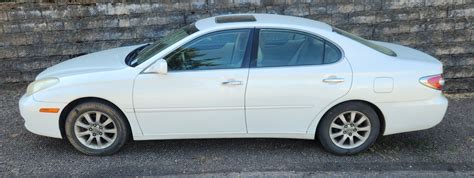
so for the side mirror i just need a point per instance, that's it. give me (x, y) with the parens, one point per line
(159, 67)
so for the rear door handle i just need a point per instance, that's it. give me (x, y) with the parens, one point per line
(333, 80)
(232, 82)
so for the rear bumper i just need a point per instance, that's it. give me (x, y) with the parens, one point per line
(414, 115)
(46, 124)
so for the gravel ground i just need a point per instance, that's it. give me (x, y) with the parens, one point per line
(447, 149)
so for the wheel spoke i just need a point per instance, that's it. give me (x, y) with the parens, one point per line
(99, 141)
(351, 140)
(114, 130)
(360, 137)
(366, 128)
(107, 122)
(80, 134)
(361, 120)
(343, 118)
(353, 115)
(341, 142)
(89, 140)
(97, 116)
(106, 138)
(334, 135)
(334, 125)
(80, 124)
(88, 118)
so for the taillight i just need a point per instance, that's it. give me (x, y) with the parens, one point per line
(433, 81)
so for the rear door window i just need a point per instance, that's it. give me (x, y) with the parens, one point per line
(292, 48)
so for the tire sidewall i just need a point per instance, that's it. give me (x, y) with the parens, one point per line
(118, 119)
(324, 126)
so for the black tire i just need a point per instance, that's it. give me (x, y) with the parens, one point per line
(119, 122)
(323, 130)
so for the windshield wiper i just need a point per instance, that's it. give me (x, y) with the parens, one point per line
(132, 55)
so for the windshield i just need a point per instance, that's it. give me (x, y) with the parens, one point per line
(366, 42)
(144, 53)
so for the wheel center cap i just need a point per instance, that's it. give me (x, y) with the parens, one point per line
(95, 129)
(349, 128)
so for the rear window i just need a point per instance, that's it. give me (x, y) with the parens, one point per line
(366, 42)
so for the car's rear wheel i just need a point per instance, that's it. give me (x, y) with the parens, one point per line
(349, 128)
(95, 128)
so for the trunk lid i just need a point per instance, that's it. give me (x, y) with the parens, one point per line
(406, 53)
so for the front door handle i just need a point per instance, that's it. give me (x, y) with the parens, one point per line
(232, 82)
(333, 80)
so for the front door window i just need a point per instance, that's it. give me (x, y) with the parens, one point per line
(218, 50)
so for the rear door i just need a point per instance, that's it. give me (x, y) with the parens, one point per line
(294, 76)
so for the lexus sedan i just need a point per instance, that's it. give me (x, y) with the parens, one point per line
(239, 76)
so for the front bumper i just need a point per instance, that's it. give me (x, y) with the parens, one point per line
(46, 124)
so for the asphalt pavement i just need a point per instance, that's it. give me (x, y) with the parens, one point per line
(445, 150)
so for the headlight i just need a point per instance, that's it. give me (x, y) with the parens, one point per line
(40, 85)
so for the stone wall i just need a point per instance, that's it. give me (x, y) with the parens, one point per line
(36, 35)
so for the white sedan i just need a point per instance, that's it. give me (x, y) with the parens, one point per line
(239, 76)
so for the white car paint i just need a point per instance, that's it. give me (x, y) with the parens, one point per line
(286, 99)
(191, 103)
(280, 102)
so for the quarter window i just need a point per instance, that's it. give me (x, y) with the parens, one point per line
(218, 50)
(291, 48)
(331, 53)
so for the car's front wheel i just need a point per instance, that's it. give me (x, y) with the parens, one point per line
(95, 128)
(349, 128)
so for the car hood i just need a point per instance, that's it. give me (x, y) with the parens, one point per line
(111, 59)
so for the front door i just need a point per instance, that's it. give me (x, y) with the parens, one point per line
(203, 92)
(294, 76)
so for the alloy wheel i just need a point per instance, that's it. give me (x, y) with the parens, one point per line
(95, 130)
(350, 129)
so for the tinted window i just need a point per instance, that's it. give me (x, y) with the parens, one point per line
(219, 50)
(146, 52)
(291, 48)
(331, 53)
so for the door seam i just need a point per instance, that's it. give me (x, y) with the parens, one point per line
(245, 101)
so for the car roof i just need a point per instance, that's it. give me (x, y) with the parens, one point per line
(273, 20)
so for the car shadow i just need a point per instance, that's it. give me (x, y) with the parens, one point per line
(406, 142)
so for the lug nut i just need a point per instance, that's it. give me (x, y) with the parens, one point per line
(93, 134)
(350, 134)
(344, 132)
(100, 127)
(100, 133)
(90, 129)
(345, 126)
